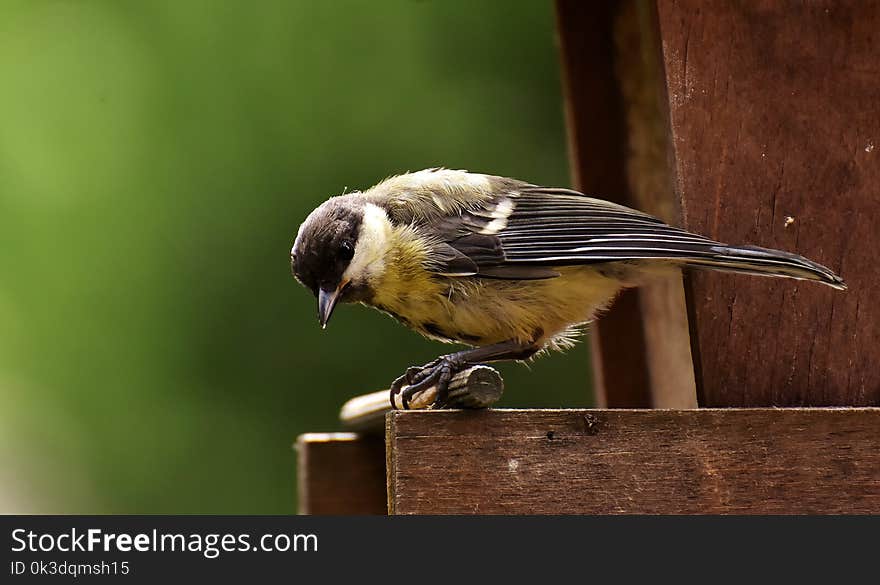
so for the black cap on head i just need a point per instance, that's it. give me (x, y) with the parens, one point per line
(324, 249)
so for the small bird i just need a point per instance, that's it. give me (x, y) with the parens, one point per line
(504, 266)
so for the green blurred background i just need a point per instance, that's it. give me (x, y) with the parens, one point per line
(156, 159)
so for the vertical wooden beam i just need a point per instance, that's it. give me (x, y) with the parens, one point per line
(662, 302)
(775, 122)
(341, 473)
(618, 146)
(596, 128)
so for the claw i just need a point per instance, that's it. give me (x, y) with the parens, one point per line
(424, 383)
(443, 388)
(437, 373)
(397, 385)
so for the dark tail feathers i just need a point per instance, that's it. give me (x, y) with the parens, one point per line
(755, 260)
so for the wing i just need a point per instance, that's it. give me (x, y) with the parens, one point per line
(527, 231)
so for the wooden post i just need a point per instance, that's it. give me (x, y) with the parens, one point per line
(766, 113)
(614, 93)
(774, 112)
(341, 473)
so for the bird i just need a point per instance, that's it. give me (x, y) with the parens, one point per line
(508, 268)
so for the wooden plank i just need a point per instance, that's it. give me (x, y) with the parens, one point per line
(776, 133)
(341, 474)
(617, 144)
(745, 461)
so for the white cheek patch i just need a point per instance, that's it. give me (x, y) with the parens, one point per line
(372, 246)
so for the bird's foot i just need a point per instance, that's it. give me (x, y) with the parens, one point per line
(435, 374)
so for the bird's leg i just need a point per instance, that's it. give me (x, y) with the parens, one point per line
(439, 372)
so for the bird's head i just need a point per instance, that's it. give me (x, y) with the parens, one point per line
(339, 250)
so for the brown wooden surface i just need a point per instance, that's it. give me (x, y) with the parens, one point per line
(752, 461)
(618, 146)
(341, 473)
(775, 113)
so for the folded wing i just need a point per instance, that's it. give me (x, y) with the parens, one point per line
(526, 232)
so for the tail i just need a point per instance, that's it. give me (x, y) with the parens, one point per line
(763, 261)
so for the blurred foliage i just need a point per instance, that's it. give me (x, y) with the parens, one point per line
(156, 159)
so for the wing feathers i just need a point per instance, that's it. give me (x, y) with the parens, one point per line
(525, 231)
(557, 225)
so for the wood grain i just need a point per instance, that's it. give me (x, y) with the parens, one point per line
(774, 112)
(722, 461)
(341, 474)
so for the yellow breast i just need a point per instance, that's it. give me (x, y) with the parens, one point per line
(482, 311)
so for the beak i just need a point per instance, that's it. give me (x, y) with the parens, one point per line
(327, 302)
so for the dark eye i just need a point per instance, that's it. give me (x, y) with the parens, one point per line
(346, 250)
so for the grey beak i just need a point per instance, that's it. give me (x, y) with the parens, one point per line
(326, 302)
